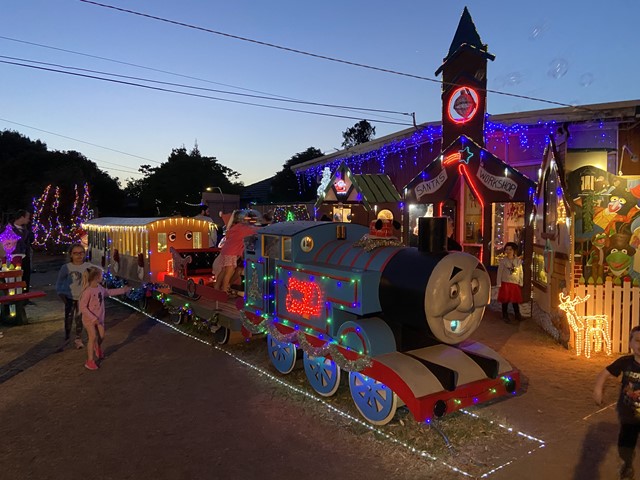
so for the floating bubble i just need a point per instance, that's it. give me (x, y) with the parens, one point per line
(558, 68)
(586, 79)
(538, 30)
(513, 78)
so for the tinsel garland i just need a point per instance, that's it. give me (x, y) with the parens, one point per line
(328, 349)
(369, 243)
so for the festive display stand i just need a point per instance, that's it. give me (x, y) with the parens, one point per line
(12, 297)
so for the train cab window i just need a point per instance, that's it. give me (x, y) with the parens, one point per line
(197, 239)
(271, 246)
(286, 249)
(250, 244)
(162, 242)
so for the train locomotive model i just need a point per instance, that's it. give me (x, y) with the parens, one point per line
(396, 318)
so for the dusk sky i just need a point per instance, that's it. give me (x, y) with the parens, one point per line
(568, 52)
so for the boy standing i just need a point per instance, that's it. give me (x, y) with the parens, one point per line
(628, 402)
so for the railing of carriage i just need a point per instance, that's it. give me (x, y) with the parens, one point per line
(620, 302)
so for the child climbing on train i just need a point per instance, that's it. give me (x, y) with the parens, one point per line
(93, 311)
(509, 281)
(233, 248)
(69, 289)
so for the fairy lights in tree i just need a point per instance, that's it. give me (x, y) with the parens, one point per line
(51, 226)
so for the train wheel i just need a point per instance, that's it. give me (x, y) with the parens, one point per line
(323, 374)
(375, 401)
(143, 303)
(181, 317)
(282, 355)
(220, 334)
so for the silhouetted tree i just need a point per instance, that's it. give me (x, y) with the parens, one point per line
(361, 132)
(169, 188)
(285, 186)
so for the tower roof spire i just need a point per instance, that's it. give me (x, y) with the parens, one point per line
(466, 36)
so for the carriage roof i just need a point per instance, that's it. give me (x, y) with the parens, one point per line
(132, 222)
(290, 228)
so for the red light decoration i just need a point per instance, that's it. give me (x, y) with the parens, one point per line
(304, 298)
(463, 105)
(451, 159)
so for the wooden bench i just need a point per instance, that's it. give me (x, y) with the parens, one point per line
(12, 297)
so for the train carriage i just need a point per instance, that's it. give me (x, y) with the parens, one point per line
(397, 319)
(140, 249)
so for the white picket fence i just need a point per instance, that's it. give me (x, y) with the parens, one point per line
(620, 302)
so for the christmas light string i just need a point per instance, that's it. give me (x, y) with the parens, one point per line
(416, 451)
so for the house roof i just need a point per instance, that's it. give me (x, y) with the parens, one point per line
(493, 178)
(367, 189)
(628, 110)
(377, 188)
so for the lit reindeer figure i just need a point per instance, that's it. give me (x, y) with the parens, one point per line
(589, 329)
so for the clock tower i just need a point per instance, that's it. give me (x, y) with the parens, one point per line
(464, 83)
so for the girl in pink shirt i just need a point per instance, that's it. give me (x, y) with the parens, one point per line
(233, 248)
(92, 308)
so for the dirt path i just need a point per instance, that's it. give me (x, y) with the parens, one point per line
(165, 406)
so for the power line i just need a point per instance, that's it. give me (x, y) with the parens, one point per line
(317, 104)
(82, 141)
(150, 87)
(315, 55)
(162, 71)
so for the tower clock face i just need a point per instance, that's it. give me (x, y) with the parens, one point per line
(463, 105)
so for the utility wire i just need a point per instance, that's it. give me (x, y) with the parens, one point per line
(315, 55)
(150, 87)
(158, 70)
(262, 97)
(81, 141)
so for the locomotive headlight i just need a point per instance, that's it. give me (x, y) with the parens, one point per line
(453, 317)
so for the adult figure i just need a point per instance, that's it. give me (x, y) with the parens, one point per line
(213, 228)
(21, 226)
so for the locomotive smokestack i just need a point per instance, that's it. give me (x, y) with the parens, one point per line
(432, 234)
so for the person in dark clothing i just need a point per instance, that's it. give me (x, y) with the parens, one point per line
(628, 401)
(22, 227)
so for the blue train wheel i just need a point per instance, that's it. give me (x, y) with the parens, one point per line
(282, 355)
(323, 374)
(375, 401)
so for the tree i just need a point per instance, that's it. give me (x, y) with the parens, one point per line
(170, 188)
(361, 132)
(28, 167)
(285, 186)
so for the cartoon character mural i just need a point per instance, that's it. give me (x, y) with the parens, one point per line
(607, 217)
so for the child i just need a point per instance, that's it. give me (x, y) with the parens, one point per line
(628, 400)
(92, 308)
(69, 288)
(510, 281)
(233, 248)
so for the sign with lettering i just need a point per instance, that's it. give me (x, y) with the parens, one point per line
(497, 184)
(430, 186)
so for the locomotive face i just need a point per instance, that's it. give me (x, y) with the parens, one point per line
(457, 293)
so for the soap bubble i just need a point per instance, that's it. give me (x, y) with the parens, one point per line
(538, 30)
(586, 79)
(513, 78)
(558, 68)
